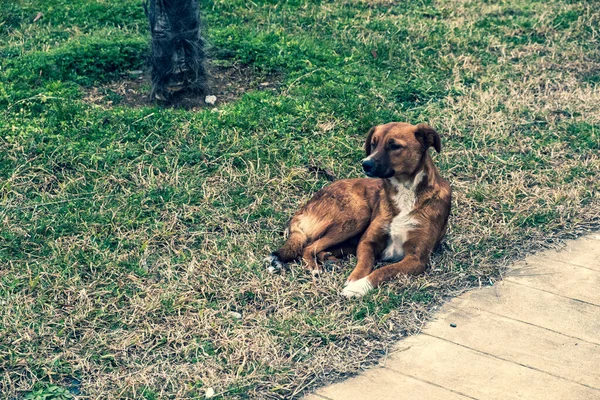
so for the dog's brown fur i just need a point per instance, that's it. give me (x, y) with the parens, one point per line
(399, 217)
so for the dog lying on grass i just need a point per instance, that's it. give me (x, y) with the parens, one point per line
(397, 215)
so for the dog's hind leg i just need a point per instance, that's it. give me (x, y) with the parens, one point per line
(311, 252)
(291, 250)
(335, 253)
(325, 256)
(334, 244)
(302, 229)
(310, 235)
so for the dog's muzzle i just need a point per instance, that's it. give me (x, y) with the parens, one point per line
(368, 166)
(374, 169)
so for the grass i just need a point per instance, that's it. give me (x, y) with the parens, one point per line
(132, 236)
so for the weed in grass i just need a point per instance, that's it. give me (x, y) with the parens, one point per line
(49, 393)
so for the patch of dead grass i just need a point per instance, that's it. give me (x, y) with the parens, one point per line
(226, 83)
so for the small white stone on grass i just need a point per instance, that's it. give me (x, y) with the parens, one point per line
(210, 99)
(210, 392)
(235, 315)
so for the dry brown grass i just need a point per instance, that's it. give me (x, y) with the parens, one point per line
(226, 83)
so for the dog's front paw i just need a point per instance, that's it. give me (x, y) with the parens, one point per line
(273, 263)
(357, 288)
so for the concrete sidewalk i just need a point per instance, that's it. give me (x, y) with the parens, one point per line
(535, 335)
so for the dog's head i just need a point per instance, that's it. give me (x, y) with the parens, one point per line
(398, 148)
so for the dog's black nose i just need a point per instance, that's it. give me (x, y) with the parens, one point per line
(368, 165)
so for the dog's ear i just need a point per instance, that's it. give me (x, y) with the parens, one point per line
(368, 141)
(428, 137)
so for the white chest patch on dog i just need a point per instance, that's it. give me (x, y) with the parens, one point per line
(402, 223)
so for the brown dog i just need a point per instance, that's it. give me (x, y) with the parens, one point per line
(398, 217)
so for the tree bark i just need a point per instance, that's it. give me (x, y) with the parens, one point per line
(177, 58)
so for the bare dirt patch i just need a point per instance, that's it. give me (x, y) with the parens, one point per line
(226, 83)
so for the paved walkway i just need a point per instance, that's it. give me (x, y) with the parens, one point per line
(535, 335)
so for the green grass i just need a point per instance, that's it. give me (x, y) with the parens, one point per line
(131, 236)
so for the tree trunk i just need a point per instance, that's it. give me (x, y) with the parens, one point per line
(177, 59)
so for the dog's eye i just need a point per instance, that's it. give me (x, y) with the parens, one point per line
(395, 146)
